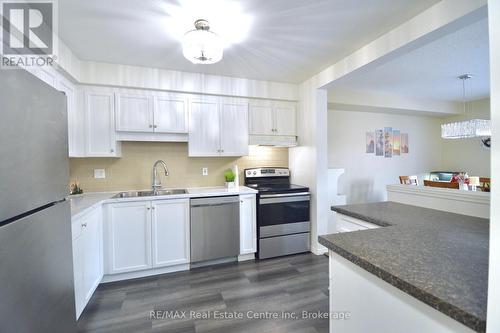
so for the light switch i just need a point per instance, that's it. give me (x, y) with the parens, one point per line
(99, 173)
(204, 171)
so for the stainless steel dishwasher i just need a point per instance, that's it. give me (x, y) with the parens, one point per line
(215, 228)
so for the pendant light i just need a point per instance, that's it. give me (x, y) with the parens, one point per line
(202, 46)
(472, 128)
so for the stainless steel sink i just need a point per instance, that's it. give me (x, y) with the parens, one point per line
(170, 191)
(135, 194)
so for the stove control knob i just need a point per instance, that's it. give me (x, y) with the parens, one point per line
(249, 172)
(254, 173)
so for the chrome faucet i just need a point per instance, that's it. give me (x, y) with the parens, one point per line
(156, 180)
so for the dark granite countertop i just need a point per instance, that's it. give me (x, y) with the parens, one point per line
(437, 257)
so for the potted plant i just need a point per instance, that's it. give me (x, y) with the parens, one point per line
(230, 176)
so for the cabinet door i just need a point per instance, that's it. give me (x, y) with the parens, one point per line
(100, 124)
(171, 233)
(170, 114)
(285, 119)
(233, 128)
(70, 92)
(128, 237)
(261, 119)
(204, 138)
(78, 263)
(248, 224)
(134, 112)
(92, 252)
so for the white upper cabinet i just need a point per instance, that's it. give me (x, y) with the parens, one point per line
(170, 230)
(218, 126)
(170, 113)
(75, 114)
(134, 112)
(100, 124)
(233, 127)
(204, 131)
(261, 119)
(152, 112)
(285, 119)
(273, 118)
(76, 136)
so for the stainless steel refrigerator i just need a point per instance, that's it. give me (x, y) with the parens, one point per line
(36, 266)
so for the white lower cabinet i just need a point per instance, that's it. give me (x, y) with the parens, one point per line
(171, 236)
(141, 238)
(248, 224)
(142, 235)
(128, 237)
(87, 256)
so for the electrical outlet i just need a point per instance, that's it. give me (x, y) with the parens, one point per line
(204, 171)
(99, 173)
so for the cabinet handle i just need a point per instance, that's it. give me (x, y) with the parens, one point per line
(150, 126)
(152, 208)
(112, 150)
(241, 201)
(154, 126)
(149, 208)
(84, 225)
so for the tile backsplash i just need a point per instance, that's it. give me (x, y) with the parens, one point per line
(133, 169)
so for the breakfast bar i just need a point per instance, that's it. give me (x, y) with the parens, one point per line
(416, 269)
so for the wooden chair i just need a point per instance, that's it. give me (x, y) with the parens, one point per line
(485, 184)
(441, 184)
(408, 180)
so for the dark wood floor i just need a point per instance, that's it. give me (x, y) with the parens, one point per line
(291, 284)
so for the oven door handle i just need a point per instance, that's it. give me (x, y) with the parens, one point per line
(284, 199)
(283, 195)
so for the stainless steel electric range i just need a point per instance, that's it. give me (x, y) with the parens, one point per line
(283, 225)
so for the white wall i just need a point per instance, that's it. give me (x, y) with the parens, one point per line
(308, 161)
(493, 324)
(367, 175)
(468, 154)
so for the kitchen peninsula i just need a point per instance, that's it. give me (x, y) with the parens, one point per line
(415, 269)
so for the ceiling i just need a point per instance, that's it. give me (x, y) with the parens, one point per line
(431, 71)
(288, 40)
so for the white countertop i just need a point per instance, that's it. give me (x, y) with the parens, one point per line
(83, 202)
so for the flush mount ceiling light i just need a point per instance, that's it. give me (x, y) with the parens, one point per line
(225, 22)
(471, 128)
(202, 46)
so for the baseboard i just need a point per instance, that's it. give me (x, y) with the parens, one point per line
(144, 273)
(245, 257)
